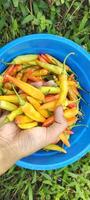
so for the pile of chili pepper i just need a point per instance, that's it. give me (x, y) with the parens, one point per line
(32, 87)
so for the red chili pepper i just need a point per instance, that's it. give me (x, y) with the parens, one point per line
(72, 105)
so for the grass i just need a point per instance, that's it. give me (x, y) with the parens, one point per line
(72, 20)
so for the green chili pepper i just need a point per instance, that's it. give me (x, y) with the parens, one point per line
(49, 90)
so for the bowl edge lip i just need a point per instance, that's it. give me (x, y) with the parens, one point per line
(70, 161)
(45, 36)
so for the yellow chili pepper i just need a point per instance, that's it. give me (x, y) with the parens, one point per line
(63, 138)
(30, 111)
(52, 68)
(8, 92)
(50, 105)
(7, 106)
(72, 94)
(27, 125)
(56, 62)
(33, 101)
(55, 147)
(10, 98)
(69, 113)
(27, 88)
(24, 59)
(1, 80)
(36, 105)
(73, 83)
(10, 117)
(22, 119)
(41, 72)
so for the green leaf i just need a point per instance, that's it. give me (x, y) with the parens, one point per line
(62, 1)
(24, 9)
(46, 176)
(30, 192)
(27, 19)
(15, 3)
(2, 23)
(43, 5)
(47, 182)
(35, 7)
(15, 25)
(83, 22)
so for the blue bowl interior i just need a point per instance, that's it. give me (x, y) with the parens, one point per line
(80, 62)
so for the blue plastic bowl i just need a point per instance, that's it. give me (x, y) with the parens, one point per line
(80, 63)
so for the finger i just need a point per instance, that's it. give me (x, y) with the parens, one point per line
(58, 127)
(59, 116)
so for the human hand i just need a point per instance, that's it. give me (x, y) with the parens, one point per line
(15, 144)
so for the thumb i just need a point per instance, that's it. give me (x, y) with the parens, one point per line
(58, 127)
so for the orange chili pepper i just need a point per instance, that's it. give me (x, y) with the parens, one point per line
(41, 59)
(8, 72)
(12, 70)
(71, 77)
(46, 58)
(52, 97)
(49, 121)
(16, 69)
(27, 88)
(72, 121)
(26, 75)
(34, 78)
